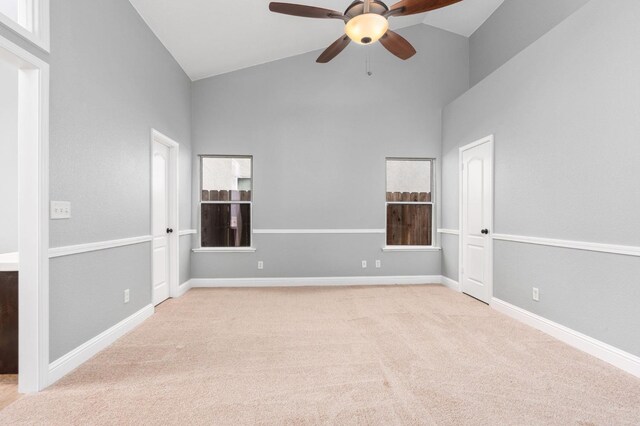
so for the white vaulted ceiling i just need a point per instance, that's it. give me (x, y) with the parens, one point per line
(211, 37)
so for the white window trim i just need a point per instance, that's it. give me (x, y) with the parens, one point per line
(33, 22)
(201, 249)
(432, 203)
(224, 250)
(411, 248)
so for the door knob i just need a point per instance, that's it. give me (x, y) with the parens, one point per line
(485, 231)
(169, 231)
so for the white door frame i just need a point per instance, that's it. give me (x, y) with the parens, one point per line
(33, 182)
(173, 201)
(489, 247)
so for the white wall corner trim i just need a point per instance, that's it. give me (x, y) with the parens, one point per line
(451, 284)
(319, 231)
(603, 351)
(102, 245)
(577, 245)
(84, 352)
(449, 231)
(187, 232)
(183, 288)
(313, 281)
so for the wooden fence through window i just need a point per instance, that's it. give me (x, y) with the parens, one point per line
(409, 224)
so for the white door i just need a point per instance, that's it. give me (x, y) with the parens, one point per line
(160, 218)
(476, 272)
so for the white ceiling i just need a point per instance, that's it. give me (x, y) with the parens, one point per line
(463, 18)
(211, 37)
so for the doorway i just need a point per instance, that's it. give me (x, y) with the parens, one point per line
(476, 219)
(164, 217)
(26, 251)
(9, 233)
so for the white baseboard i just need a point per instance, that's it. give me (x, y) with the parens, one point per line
(612, 355)
(81, 354)
(183, 288)
(314, 281)
(449, 283)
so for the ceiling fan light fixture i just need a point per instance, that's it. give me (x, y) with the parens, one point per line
(366, 28)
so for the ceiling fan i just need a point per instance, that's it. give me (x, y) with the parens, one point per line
(366, 21)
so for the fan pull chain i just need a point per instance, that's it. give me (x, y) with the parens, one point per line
(367, 65)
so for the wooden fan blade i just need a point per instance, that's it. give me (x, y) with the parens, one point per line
(333, 50)
(397, 45)
(411, 7)
(304, 11)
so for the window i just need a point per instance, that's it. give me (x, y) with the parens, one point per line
(226, 201)
(409, 202)
(28, 18)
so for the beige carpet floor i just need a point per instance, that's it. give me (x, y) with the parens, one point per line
(8, 389)
(364, 355)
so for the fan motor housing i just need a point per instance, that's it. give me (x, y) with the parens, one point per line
(357, 8)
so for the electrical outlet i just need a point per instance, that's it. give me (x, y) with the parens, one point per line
(60, 210)
(364, 264)
(260, 264)
(536, 294)
(126, 296)
(378, 264)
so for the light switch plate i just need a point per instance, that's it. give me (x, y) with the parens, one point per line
(60, 210)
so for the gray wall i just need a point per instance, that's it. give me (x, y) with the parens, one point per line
(319, 135)
(87, 291)
(111, 82)
(109, 87)
(185, 258)
(512, 27)
(8, 157)
(295, 255)
(594, 293)
(450, 249)
(564, 113)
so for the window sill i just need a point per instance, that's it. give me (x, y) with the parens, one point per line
(410, 248)
(224, 250)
